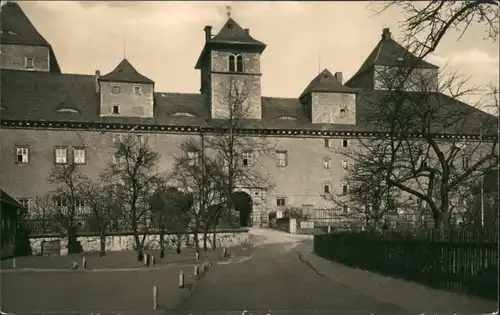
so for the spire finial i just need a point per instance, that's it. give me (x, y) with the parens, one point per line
(228, 8)
(124, 48)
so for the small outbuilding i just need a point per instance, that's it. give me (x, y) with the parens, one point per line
(9, 210)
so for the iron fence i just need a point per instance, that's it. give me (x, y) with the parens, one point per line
(459, 260)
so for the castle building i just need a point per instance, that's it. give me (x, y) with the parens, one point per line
(51, 117)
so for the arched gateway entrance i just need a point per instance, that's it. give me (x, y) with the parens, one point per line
(243, 204)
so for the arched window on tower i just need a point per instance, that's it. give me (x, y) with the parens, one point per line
(232, 63)
(239, 63)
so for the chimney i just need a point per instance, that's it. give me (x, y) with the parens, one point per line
(338, 76)
(97, 76)
(208, 33)
(247, 31)
(386, 34)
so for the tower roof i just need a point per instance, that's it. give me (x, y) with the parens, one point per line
(388, 52)
(233, 33)
(125, 72)
(17, 28)
(326, 82)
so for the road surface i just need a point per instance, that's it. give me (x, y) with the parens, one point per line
(277, 279)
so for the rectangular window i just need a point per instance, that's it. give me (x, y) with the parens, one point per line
(345, 189)
(116, 109)
(137, 90)
(345, 164)
(79, 155)
(29, 63)
(139, 139)
(116, 158)
(345, 209)
(115, 89)
(117, 137)
(327, 163)
(465, 162)
(25, 202)
(80, 207)
(22, 155)
(281, 158)
(422, 162)
(60, 202)
(326, 189)
(192, 157)
(391, 205)
(308, 210)
(61, 155)
(345, 143)
(326, 143)
(247, 158)
(280, 201)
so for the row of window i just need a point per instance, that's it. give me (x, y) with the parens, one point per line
(116, 89)
(29, 63)
(61, 155)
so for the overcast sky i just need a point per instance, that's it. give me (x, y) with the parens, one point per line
(164, 39)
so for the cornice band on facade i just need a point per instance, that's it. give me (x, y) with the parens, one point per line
(117, 127)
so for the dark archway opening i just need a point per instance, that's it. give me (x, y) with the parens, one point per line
(242, 203)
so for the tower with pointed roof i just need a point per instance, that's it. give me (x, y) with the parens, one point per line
(124, 92)
(229, 62)
(379, 70)
(22, 47)
(327, 101)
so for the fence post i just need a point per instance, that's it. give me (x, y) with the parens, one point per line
(84, 262)
(14, 262)
(155, 298)
(181, 279)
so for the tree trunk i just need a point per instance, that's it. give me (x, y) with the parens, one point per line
(162, 242)
(205, 239)
(214, 240)
(102, 251)
(72, 240)
(138, 246)
(178, 239)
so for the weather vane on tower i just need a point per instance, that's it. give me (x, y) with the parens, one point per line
(228, 8)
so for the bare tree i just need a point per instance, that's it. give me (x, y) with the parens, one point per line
(195, 173)
(366, 194)
(101, 199)
(133, 172)
(425, 24)
(68, 199)
(171, 214)
(429, 142)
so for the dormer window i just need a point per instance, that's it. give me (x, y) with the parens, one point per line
(115, 89)
(235, 63)
(29, 63)
(137, 90)
(116, 109)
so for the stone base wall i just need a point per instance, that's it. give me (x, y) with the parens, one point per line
(152, 241)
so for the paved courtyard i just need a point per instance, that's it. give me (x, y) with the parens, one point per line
(282, 276)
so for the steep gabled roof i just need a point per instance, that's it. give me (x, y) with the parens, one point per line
(326, 82)
(388, 52)
(17, 28)
(36, 96)
(233, 33)
(125, 72)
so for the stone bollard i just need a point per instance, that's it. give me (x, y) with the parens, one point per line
(84, 262)
(196, 270)
(14, 262)
(197, 256)
(224, 253)
(155, 298)
(145, 259)
(153, 261)
(203, 267)
(329, 229)
(181, 279)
